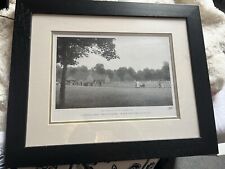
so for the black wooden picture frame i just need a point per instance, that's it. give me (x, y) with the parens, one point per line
(17, 155)
(4, 4)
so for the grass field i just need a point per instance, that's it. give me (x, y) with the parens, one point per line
(90, 96)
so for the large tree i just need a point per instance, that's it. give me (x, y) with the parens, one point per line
(70, 49)
(166, 71)
(121, 72)
(99, 68)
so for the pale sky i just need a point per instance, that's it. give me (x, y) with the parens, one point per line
(138, 52)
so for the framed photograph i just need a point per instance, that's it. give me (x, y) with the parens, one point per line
(105, 81)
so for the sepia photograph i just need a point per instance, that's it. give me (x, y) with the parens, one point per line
(113, 71)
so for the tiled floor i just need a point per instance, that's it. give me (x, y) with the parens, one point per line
(201, 162)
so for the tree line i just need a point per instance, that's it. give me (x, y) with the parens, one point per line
(120, 74)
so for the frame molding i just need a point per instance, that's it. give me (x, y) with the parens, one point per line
(19, 156)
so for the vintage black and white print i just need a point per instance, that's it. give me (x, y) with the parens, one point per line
(114, 76)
